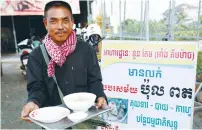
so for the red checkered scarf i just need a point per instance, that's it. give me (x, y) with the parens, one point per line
(57, 53)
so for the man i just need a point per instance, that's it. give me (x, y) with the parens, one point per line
(74, 63)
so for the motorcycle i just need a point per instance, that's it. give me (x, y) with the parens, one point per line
(94, 37)
(91, 35)
(25, 47)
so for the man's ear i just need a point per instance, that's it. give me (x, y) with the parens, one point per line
(45, 22)
(72, 19)
(72, 23)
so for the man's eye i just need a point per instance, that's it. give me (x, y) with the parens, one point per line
(66, 20)
(52, 21)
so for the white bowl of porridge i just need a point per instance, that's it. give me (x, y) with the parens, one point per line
(80, 102)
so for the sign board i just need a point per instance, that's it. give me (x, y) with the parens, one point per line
(149, 84)
(31, 7)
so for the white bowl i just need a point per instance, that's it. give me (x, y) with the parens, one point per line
(80, 102)
(75, 117)
(49, 114)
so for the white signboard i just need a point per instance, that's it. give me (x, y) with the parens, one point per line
(149, 84)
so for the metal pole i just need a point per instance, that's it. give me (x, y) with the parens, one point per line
(120, 20)
(104, 14)
(144, 20)
(169, 22)
(172, 20)
(103, 17)
(197, 103)
(30, 31)
(199, 20)
(14, 34)
(102, 8)
(88, 7)
(197, 91)
(141, 18)
(147, 19)
(124, 17)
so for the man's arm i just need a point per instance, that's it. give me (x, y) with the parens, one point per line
(35, 84)
(94, 75)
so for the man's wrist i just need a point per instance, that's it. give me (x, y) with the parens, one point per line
(34, 101)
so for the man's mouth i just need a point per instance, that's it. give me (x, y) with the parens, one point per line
(60, 34)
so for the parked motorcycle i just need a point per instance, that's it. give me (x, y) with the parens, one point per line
(25, 47)
(92, 35)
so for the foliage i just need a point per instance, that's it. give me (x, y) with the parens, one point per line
(159, 28)
(131, 25)
(199, 62)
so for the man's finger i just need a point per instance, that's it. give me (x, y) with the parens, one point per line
(104, 103)
(26, 119)
(26, 111)
(36, 107)
(98, 105)
(101, 101)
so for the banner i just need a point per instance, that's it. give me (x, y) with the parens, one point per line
(149, 84)
(31, 7)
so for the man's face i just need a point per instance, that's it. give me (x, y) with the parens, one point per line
(58, 23)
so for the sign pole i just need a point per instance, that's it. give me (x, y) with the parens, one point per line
(14, 34)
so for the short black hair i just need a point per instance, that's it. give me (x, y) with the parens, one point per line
(57, 4)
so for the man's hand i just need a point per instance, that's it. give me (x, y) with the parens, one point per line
(101, 102)
(30, 106)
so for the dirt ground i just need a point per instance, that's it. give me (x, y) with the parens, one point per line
(13, 95)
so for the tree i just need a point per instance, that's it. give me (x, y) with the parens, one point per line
(131, 26)
(199, 62)
(183, 14)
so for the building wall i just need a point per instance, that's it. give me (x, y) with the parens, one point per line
(24, 25)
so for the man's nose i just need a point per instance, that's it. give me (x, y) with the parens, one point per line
(60, 25)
